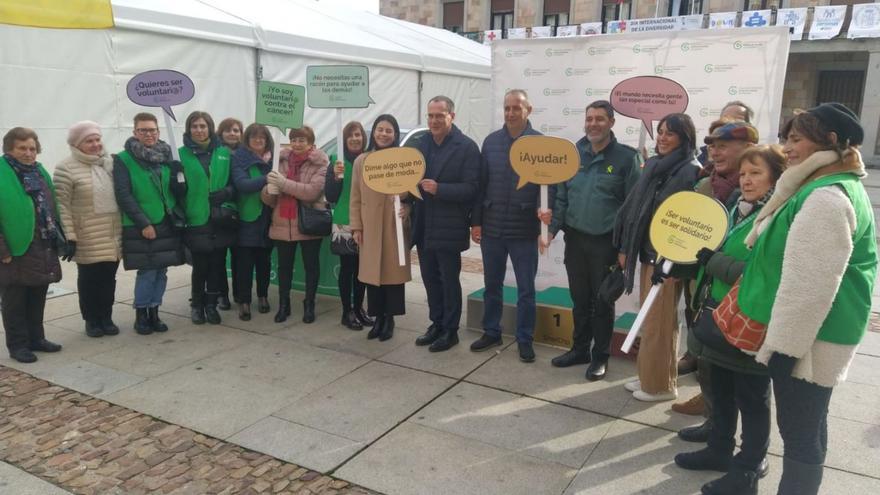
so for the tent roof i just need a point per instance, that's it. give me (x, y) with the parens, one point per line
(310, 29)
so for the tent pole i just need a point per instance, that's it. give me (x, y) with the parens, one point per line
(419, 100)
(258, 72)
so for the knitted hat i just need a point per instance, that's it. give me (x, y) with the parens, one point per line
(81, 130)
(733, 131)
(841, 120)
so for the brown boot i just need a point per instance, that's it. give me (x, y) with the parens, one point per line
(693, 407)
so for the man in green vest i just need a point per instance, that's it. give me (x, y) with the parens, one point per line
(148, 184)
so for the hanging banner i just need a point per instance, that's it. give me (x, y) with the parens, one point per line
(691, 22)
(827, 22)
(795, 19)
(722, 20)
(517, 33)
(491, 35)
(591, 28)
(69, 14)
(542, 32)
(566, 31)
(756, 18)
(677, 23)
(865, 21)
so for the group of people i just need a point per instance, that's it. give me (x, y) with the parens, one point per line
(151, 211)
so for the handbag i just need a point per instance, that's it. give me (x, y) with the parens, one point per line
(225, 216)
(314, 221)
(342, 242)
(741, 331)
(611, 287)
(707, 333)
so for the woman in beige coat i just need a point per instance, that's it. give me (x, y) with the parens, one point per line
(91, 221)
(373, 228)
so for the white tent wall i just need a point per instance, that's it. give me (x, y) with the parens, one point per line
(471, 97)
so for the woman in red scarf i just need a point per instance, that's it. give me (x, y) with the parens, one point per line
(300, 178)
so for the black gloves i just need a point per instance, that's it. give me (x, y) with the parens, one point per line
(68, 251)
(781, 365)
(704, 255)
(658, 277)
(216, 198)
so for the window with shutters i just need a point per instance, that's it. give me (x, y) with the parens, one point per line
(453, 16)
(612, 10)
(556, 12)
(842, 86)
(502, 15)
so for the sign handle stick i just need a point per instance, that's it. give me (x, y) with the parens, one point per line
(398, 223)
(172, 141)
(276, 148)
(643, 312)
(340, 153)
(545, 234)
(643, 138)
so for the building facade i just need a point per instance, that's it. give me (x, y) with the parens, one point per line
(838, 69)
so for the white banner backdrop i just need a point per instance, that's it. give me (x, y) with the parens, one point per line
(722, 20)
(865, 21)
(827, 22)
(795, 19)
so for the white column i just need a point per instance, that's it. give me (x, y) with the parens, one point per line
(870, 113)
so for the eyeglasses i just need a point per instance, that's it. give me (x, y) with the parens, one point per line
(147, 131)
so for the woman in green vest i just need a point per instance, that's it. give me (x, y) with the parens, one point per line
(211, 217)
(230, 131)
(337, 188)
(817, 303)
(739, 385)
(30, 237)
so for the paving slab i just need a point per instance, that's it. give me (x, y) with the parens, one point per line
(856, 402)
(660, 414)
(417, 460)
(548, 431)
(870, 344)
(18, 482)
(308, 447)
(864, 369)
(90, 378)
(834, 481)
(456, 362)
(328, 334)
(367, 402)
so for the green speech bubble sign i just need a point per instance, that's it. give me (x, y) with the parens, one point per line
(280, 105)
(338, 86)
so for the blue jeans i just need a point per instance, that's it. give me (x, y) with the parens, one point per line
(149, 287)
(524, 257)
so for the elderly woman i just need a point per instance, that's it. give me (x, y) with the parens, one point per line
(815, 297)
(230, 131)
(30, 236)
(91, 220)
(299, 180)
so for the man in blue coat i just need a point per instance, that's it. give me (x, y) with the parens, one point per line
(505, 223)
(442, 218)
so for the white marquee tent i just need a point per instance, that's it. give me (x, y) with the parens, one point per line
(52, 78)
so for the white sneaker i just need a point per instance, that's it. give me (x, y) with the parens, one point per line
(659, 397)
(633, 386)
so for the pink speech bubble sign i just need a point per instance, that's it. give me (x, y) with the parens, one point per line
(648, 98)
(161, 88)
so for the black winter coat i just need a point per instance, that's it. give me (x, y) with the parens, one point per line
(442, 220)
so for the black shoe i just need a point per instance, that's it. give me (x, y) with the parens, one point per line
(433, 333)
(485, 342)
(244, 311)
(197, 315)
(571, 358)
(223, 303)
(157, 324)
(142, 322)
(93, 329)
(22, 355)
(377, 327)
(350, 321)
(283, 309)
(703, 460)
(108, 326)
(211, 314)
(526, 352)
(735, 482)
(596, 370)
(363, 318)
(387, 329)
(263, 305)
(763, 468)
(696, 434)
(447, 339)
(44, 345)
(308, 311)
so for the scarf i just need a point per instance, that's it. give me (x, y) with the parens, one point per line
(154, 155)
(634, 217)
(745, 208)
(351, 156)
(101, 166)
(36, 187)
(796, 176)
(724, 185)
(287, 203)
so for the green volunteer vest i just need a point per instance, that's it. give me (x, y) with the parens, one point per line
(735, 247)
(17, 217)
(199, 184)
(848, 318)
(152, 201)
(340, 211)
(250, 206)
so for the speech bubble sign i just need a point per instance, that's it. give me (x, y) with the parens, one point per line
(394, 170)
(543, 160)
(648, 98)
(338, 86)
(280, 105)
(685, 223)
(161, 88)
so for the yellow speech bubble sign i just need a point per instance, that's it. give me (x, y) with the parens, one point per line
(394, 170)
(685, 223)
(543, 160)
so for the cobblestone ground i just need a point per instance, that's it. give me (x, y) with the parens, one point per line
(89, 446)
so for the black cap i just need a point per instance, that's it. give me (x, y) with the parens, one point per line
(841, 120)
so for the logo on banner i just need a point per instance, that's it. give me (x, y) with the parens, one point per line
(596, 50)
(756, 20)
(555, 91)
(630, 130)
(645, 49)
(667, 69)
(619, 71)
(693, 46)
(710, 68)
(552, 129)
(550, 52)
(744, 90)
(577, 71)
(535, 72)
(748, 45)
(572, 111)
(510, 53)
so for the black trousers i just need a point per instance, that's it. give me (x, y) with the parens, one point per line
(740, 394)
(386, 300)
(286, 255)
(802, 416)
(351, 290)
(96, 286)
(441, 272)
(248, 260)
(224, 282)
(208, 270)
(588, 259)
(22, 309)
